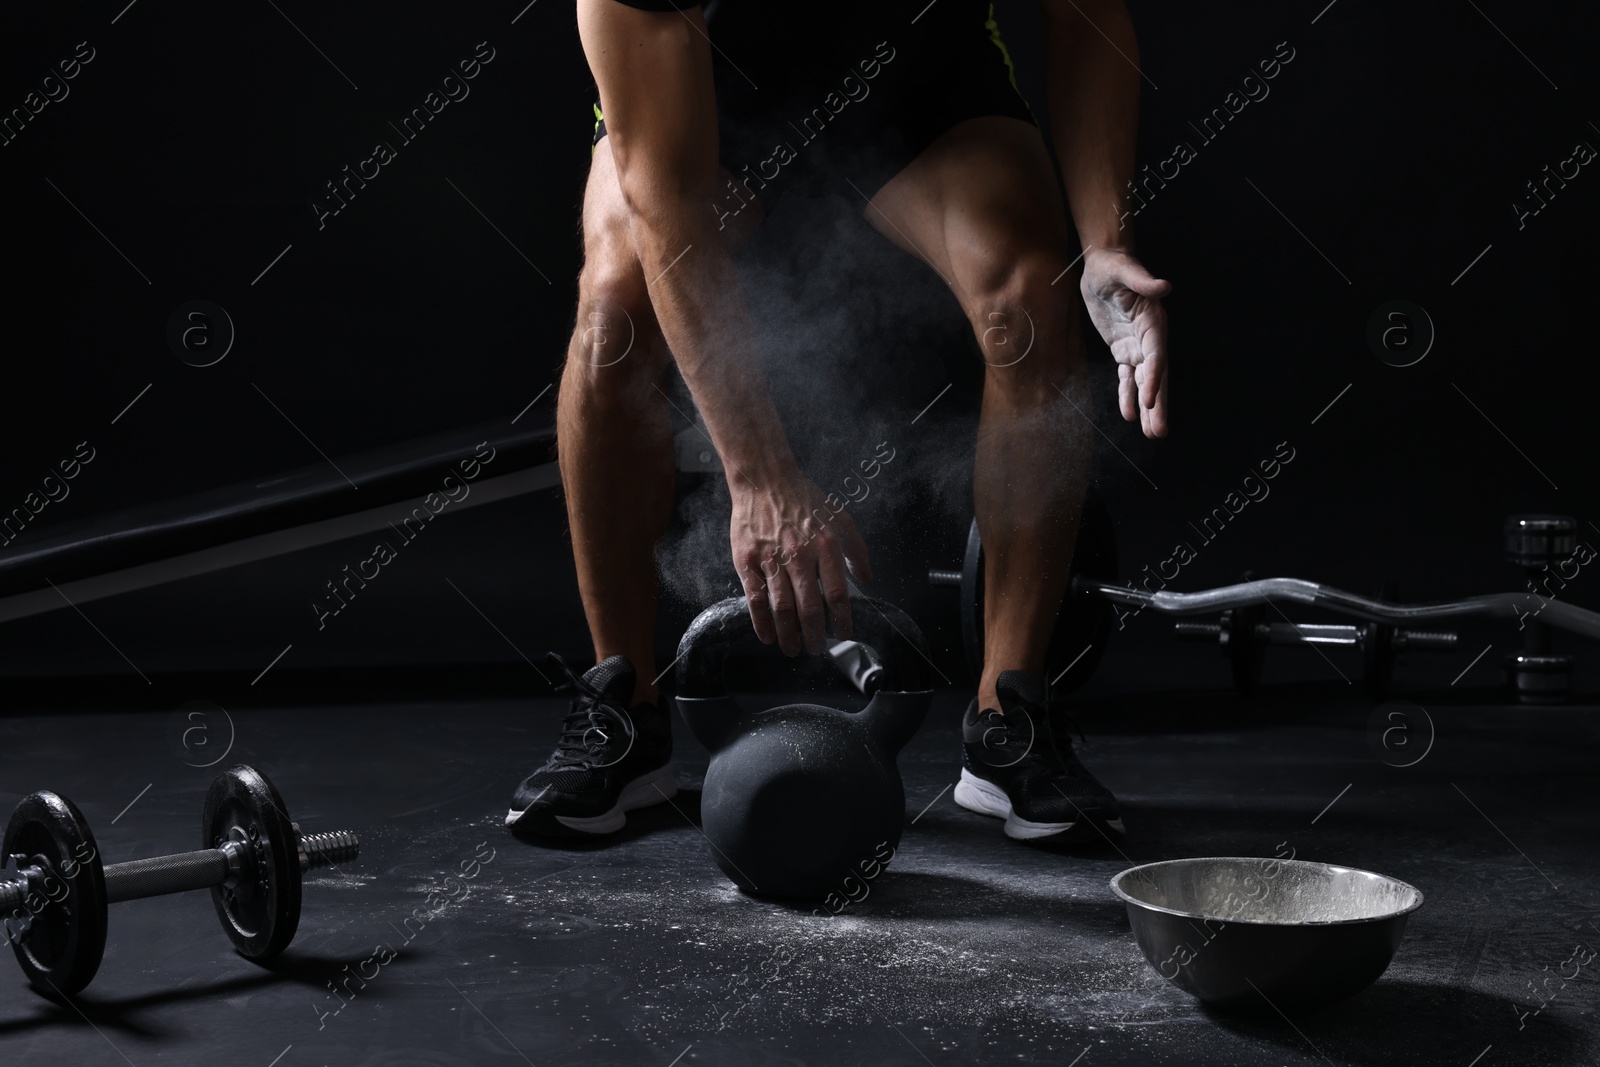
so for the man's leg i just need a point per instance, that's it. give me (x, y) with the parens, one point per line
(981, 207)
(614, 435)
(614, 750)
(613, 753)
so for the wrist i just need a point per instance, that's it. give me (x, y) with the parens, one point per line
(1115, 244)
(763, 469)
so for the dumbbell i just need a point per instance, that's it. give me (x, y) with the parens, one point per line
(54, 892)
(1534, 542)
(1245, 634)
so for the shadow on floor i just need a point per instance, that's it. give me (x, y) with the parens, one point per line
(121, 1013)
(1398, 1021)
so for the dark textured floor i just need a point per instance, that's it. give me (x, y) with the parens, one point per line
(971, 949)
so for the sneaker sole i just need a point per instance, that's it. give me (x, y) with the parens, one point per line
(659, 785)
(985, 798)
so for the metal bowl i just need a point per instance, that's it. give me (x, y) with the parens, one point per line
(1242, 932)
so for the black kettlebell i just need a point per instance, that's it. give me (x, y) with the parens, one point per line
(801, 797)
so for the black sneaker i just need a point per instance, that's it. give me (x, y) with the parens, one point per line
(1014, 769)
(609, 761)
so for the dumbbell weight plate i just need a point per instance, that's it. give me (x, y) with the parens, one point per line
(67, 935)
(1243, 645)
(262, 912)
(1378, 649)
(1083, 621)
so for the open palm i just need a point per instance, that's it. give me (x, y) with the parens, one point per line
(1124, 302)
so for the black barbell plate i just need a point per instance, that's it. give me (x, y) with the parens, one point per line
(67, 933)
(1083, 620)
(1243, 644)
(972, 600)
(261, 914)
(1246, 650)
(1378, 651)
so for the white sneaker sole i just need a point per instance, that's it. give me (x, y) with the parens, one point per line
(653, 788)
(986, 798)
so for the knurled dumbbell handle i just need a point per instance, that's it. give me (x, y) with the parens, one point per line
(160, 875)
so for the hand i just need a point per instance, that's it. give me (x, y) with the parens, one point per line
(1124, 303)
(788, 539)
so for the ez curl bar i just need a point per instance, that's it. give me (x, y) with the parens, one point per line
(1544, 546)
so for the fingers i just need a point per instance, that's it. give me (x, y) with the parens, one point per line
(1157, 413)
(798, 580)
(855, 549)
(1152, 399)
(755, 592)
(835, 586)
(1127, 392)
(1153, 389)
(1141, 281)
(782, 595)
(808, 603)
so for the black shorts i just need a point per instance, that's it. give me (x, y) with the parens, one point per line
(843, 108)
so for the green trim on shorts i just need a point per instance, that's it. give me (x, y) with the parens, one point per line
(599, 118)
(1005, 53)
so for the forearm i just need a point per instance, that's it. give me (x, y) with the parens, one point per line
(702, 314)
(1092, 86)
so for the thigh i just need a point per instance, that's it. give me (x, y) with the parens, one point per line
(978, 202)
(616, 319)
(617, 348)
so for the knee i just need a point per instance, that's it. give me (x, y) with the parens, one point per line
(613, 356)
(1025, 324)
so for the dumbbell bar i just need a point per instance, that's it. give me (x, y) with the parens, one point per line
(181, 872)
(55, 903)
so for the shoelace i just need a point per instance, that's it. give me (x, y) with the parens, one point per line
(584, 720)
(1067, 762)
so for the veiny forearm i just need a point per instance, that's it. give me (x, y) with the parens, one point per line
(701, 310)
(1092, 86)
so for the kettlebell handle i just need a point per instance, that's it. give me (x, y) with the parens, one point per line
(889, 631)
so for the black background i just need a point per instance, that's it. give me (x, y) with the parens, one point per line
(198, 137)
